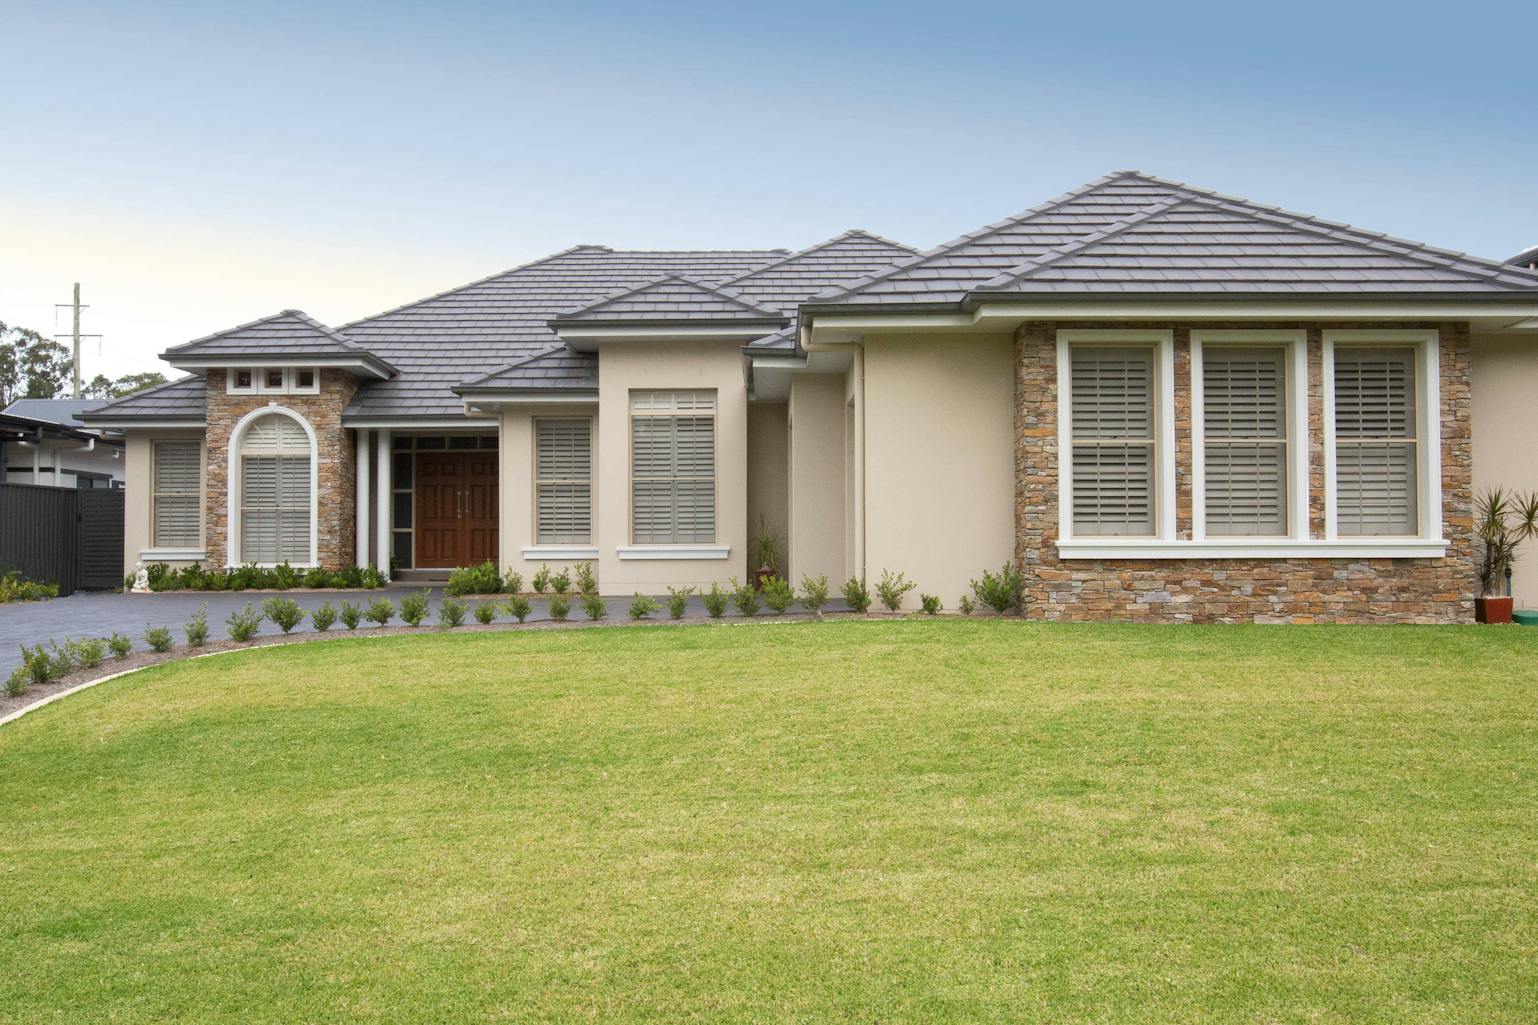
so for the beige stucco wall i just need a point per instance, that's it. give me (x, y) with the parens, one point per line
(1505, 433)
(769, 474)
(515, 487)
(939, 459)
(138, 492)
(816, 487)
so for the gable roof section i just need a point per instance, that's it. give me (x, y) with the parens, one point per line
(180, 401)
(290, 334)
(65, 412)
(555, 370)
(785, 283)
(674, 299)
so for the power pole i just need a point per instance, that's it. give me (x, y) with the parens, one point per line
(75, 336)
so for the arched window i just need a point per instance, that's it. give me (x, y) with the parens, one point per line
(276, 467)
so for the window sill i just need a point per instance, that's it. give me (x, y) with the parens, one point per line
(172, 554)
(696, 551)
(1355, 548)
(555, 553)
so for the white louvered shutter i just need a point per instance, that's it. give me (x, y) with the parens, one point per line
(178, 494)
(564, 485)
(275, 492)
(1244, 423)
(1376, 481)
(673, 466)
(1112, 406)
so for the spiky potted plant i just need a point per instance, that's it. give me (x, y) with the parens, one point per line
(1501, 522)
(767, 551)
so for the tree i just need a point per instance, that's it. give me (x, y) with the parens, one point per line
(130, 383)
(98, 387)
(31, 366)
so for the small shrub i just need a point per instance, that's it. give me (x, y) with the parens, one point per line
(965, 605)
(856, 594)
(744, 597)
(513, 582)
(15, 587)
(37, 666)
(678, 601)
(715, 601)
(88, 652)
(451, 612)
(891, 589)
(351, 614)
(414, 608)
(16, 683)
(778, 594)
(372, 578)
(560, 607)
(999, 591)
(349, 576)
(323, 617)
(242, 624)
(285, 576)
(595, 607)
(561, 582)
(159, 639)
(283, 611)
(317, 577)
(61, 660)
(930, 604)
(485, 612)
(219, 581)
(642, 606)
(542, 579)
(585, 581)
(380, 611)
(121, 645)
(197, 628)
(482, 579)
(518, 606)
(814, 594)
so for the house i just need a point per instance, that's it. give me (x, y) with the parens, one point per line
(1161, 402)
(42, 441)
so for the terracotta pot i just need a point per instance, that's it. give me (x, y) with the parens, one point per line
(760, 575)
(1492, 610)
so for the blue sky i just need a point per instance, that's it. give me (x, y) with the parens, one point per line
(199, 165)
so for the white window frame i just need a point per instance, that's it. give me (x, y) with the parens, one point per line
(1428, 423)
(1163, 344)
(1295, 342)
(233, 478)
(592, 432)
(712, 550)
(259, 385)
(156, 545)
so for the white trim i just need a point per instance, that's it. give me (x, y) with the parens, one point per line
(458, 423)
(1428, 425)
(384, 543)
(232, 482)
(1296, 364)
(172, 554)
(1364, 548)
(127, 425)
(499, 399)
(372, 368)
(586, 339)
(360, 496)
(632, 552)
(1164, 417)
(561, 553)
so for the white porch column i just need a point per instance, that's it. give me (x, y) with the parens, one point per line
(360, 489)
(385, 499)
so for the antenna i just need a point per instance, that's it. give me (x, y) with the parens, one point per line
(75, 335)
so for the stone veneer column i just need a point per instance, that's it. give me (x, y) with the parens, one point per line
(1237, 590)
(334, 454)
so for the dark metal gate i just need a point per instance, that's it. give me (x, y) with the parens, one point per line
(72, 537)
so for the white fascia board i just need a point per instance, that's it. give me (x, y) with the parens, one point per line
(492, 401)
(406, 424)
(128, 424)
(373, 368)
(582, 339)
(1241, 548)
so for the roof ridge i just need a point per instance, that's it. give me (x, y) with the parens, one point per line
(281, 314)
(505, 367)
(1036, 263)
(569, 250)
(815, 247)
(704, 286)
(1483, 266)
(861, 283)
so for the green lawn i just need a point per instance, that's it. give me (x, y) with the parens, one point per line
(862, 821)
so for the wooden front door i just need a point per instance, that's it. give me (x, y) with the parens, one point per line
(456, 509)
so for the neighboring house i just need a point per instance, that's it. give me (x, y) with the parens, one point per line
(42, 441)
(1160, 402)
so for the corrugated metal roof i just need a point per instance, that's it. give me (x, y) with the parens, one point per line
(54, 411)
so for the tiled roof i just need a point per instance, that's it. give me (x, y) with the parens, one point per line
(555, 369)
(289, 333)
(672, 299)
(785, 283)
(471, 331)
(1131, 232)
(181, 399)
(54, 411)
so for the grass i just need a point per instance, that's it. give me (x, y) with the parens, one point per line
(846, 821)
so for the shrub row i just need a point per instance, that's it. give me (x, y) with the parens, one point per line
(15, 587)
(281, 577)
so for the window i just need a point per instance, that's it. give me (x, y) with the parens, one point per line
(563, 470)
(1376, 417)
(673, 467)
(273, 381)
(242, 381)
(1113, 440)
(178, 495)
(275, 495)
(304, 380)
(1244, 439)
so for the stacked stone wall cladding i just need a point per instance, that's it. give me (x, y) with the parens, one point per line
(1293, 590)
(335, 513)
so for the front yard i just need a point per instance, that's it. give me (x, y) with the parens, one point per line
(846, 821)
